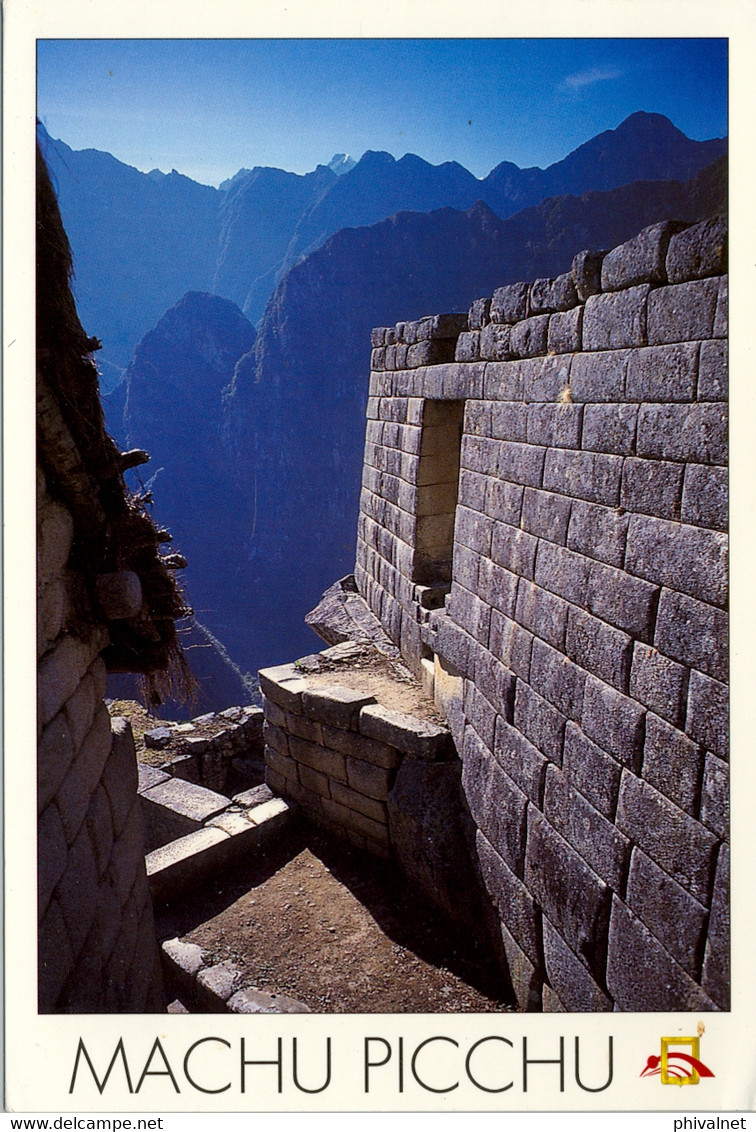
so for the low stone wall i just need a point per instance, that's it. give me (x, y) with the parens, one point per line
(336, 752)
(543, 529)
(232, 750)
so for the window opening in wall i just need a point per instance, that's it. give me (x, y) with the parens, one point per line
(438, 484)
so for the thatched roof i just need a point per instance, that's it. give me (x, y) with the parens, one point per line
(123, 579)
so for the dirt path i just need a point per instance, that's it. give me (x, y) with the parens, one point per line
(339, 932)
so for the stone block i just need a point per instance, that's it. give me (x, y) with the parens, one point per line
(473, 530)
(100, 825)
(80, 710)
(350, 821)
(55, 533)
(565, 334)
(75, 792)
(675, 841)
(641, 974)
(652, 487)
(698, 251)
(368, 779)
(360, 803)
(60, 672)
(613, 721)
(573, 984)
(658, 683)
(708, 713)
(715, 796)
(551, 1002)
(472, 614)
(369, 750)
(184, 862)
(549, 295)
(617, 320)
(556, 426)
(432, 352)
(541, 612)
(447, 325)
(378, 336)
(586, 273)
(625, 602)
(663, 373)
(322, 759)
(182, 962)
(496, 586)
(515, 904)
(684, 312)
(277, 738)
(504, 501)
(598, 532)
(592, 771)
(510, 304)
(495, 681)
(284, 685)
(493, 343)
(52, 609)
(693, 633)
(689, 559)
(496, 803)
(511, 644)
(705, 501)
(557, 679)
(676, 919)
(523, 762)
(599, 648)
(314, 781)
(672, 763)
(716, 968)
(480, 714)
(479, 314)
(514, 550)
(509, 421)
(529, 338)
(713, 382)
(187, 800)
(55, 754)
(609, 428)
(597, 841)
(641, 259)
(453, 645)
(572, 896)
(52, 855)
(335, 705)
(468, 347)
(250, 1000)
(546, 379)
(539, 722)
(563, 572)
(416, 737)
(526, 978)
(591, 476)
(216, 984)
(502, 381)
(521, 463)
(478, 454)
(546, 515)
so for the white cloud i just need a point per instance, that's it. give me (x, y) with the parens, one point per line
(587, 78)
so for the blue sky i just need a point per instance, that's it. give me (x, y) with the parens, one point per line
(210, 107)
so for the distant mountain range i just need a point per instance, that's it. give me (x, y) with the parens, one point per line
(260, 437)
(154, 236)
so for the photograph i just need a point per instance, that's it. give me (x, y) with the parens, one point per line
(382, 571)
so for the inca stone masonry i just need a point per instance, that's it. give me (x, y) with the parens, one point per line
(542, 537)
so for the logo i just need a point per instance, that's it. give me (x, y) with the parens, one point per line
(674, 1065)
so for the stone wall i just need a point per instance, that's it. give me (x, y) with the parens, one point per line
(542, 532)
(97, 947)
